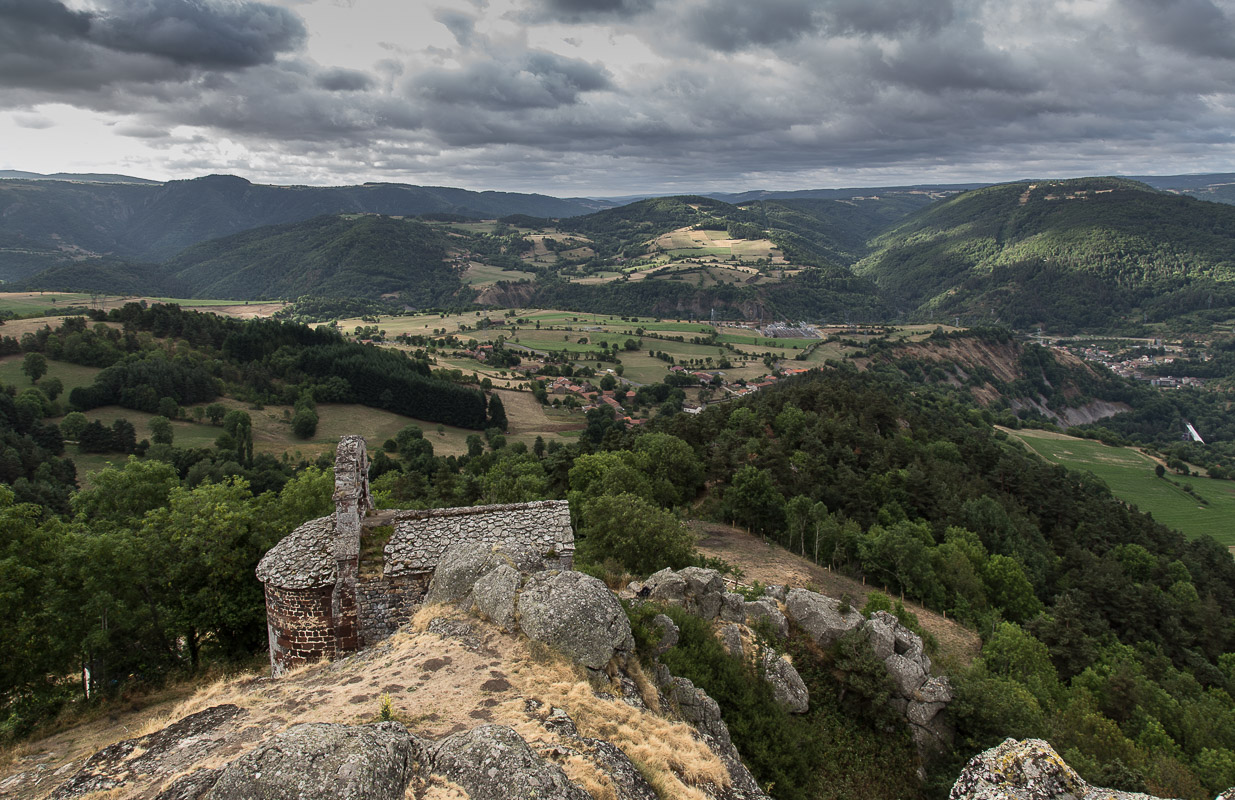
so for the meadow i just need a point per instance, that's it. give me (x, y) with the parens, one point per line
(1130, 476)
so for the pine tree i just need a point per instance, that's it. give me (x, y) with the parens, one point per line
(497, 413)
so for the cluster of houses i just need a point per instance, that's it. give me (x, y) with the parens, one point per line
(1134, 368)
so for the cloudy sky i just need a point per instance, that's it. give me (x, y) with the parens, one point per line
(610, 97)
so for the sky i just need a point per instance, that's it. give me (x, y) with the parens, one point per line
(618, 97)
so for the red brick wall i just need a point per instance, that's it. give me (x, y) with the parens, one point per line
(300, 627)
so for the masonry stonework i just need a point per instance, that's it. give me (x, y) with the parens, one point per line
(323, 602)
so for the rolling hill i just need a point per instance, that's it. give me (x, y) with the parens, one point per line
(1084, 253)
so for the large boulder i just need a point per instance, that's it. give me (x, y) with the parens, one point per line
(576, 614)
(732, 607)
(1027, 770)
(700, 591)
(493, 762)
(464, 563)
(787, 686)
(361, 762)
(907, 675)
(881, 633)
(824, 618)
(764, 610)
(669, 634)
(494, 596)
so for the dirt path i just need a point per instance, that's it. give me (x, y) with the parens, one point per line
(768, 563)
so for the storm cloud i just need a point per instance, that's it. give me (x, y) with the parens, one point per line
(622, 96)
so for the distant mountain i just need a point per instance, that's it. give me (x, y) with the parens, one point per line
(365, 256)
(63, 220)
(1074, 253)
(81, 177)
(928, 191)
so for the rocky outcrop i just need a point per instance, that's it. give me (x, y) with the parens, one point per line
(825, 619)
(765, 612)
(787, 685)
(464, 563)
(493, 762)
(696, 707)
(700, 591)
(494, 596)
(163, 753)
(362, 762)
(575, 614)
(1028, 770)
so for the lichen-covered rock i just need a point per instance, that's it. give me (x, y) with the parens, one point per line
(776, 593)
(732, 607)
(700, 591)
(669, 633)
(907, 675)
(162, 753)
(665, 586)
(576, 614)
(787, 686)
(1027, 770)
(464, 563)
(323, 760)
(935, 690)
(881, 633)
(731, 638)
(824, 618)
(765, 610)
(494, 596)
(493, 762)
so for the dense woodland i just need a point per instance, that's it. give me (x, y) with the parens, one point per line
(1103, 631)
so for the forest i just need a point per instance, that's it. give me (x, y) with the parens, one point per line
(1103, 631)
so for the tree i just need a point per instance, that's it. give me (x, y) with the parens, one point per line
(497, 413)
(608, 383)
(304, 423)
(161, 430)
(639, 536)
(239, 426)
(73, 424)
(215, 413)
(54, 387)
(34, 365)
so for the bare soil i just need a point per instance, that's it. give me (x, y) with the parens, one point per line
(769, 563)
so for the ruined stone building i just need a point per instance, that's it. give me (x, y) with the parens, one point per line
(345, 581)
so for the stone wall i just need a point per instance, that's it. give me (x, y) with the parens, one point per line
(420, 537)
(383, 604)
(299, 625)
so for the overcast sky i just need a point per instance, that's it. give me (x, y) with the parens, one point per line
(610, 97)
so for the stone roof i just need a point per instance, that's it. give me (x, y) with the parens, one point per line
(420, 537)
(302, 559)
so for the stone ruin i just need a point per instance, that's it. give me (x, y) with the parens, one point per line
(348, 580)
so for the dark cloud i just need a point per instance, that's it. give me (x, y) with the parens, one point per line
(199, 32)
(1192, 26)
(536, 79)
(730, 25)
(461, 26)
(886, 16)
(580, 10)
(343, 80)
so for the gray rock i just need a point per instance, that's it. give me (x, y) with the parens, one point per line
(576, 614)
(669, 633)
(666, 586)
(766, 610)
(628, 781)
(493, 762)
(731, 638)
(705, 591)
(920, 713)
(162, 753)
(732, 607)
(494, 595)
(935, 690)
(191, 786)
(787, 686)
(1027, 770)
(881, 633)
(464, 563)
(776, 593)
(907, 675)
(821, 616)
(362, 762)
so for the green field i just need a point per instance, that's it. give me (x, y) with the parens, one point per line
(1130, 476)
(71, 375)
(21, 303)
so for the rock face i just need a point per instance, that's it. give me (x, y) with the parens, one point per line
(1027, 770)
(362, 762)
(695, 707)
(700, 591)
(494, 596)
(576, 614)
(493, 762)
(787, 685)
(765, 610)
(823, 617)
(464, 563)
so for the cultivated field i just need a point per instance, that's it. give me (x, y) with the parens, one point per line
(1130, 476)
